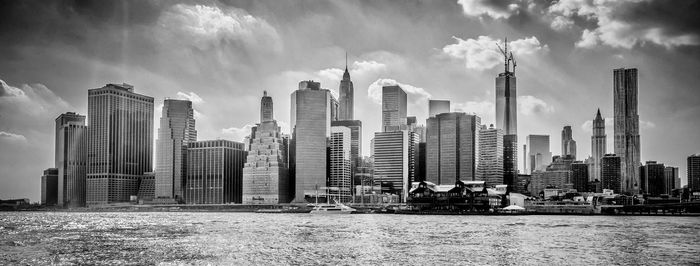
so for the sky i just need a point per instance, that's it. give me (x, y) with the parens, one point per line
(221, 55)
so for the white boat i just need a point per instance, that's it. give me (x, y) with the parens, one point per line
(337, 208)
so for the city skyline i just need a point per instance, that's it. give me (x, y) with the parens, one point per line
(666, 89)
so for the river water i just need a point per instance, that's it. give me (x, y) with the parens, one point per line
(272, 239)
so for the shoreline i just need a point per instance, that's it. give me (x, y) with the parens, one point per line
(250, 210)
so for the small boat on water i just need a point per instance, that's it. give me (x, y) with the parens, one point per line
(337, 208)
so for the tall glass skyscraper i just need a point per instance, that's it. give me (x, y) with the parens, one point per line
(507, 118)
(627, 143)
(120, 142)
(340, 178)
(177, 128)
(71, 159)
(394, 107)
(490, 168)
(598, 145)
(311, 128)
(452, 145)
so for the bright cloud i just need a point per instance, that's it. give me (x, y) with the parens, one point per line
(374, 92)
(479, 8)
(193, 97)
(484, 109)
(237, 133)
(12, 137)
(204, 26)
(531, 105)
(482, 53)
(358, 69)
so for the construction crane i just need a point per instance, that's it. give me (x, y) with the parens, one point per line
(507, 56)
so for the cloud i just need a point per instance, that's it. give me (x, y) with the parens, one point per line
(374, 91)
(588, 39)
(587, 126)
(12, 137)
(482, 53)
(646, 124)
(626, 23)
(237, 133)
(203, 27)
(193, 97)
(531, 105)
(358, 69)
(493, 9)
(25, 104)
(561, 23)
(484, 109)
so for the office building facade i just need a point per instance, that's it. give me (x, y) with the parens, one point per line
(393, 160)
(340, 179)
(120, 143)
(214, 172)
(652, 178)
(694, 172)
(671, 179)
(394, 108)
(311, 127)
(266, 171)
(452, 143)
(626, 119)
(611, 173)
(490, 167)
(177, 128)
(71, 159)
(49, 187)
(568, 144)
(579, 176)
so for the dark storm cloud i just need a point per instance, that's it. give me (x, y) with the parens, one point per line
(675, 17)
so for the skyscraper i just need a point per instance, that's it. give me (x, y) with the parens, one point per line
(490, 168)
(652, 178)
(393, 160)
(120, 142)
(436, 107)
(694, 172)
(568, 144)
(453, 147)
(355, 127)
(394, 104)
(311, 128)
(598, 145)
(611, 172)
(214, 172)
(340, 166)
(266, 108)
(671, 179)
(346, 98)
(266, 173)
(537, 153)
(49, 187)
(177, 128)
(506, 116)
(579, 176)
(71, 159)
(627, 144)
